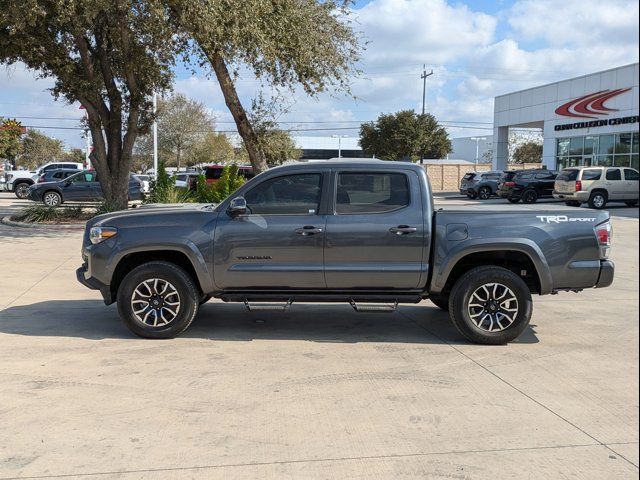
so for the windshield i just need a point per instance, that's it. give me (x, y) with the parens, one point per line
(568, 175)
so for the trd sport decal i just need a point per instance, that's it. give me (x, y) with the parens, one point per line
(590, 106)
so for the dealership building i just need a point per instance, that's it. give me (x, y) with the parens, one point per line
(588, 120)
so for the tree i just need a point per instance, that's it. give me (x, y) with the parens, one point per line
(182, 123)
(287, 43)
(212, 148)
(74, 155)
(277, 145)
(38, 149)
(109, 55)
(10, 133)
(529, 152)
(405, 135)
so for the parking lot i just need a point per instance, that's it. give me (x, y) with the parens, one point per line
(317, 392)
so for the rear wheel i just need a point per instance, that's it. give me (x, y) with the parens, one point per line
(440, 301)
(529, 196)
(21, 190)
(158, 300)
(490, 305)
(598, 200)
(572, 204)
(484, 193)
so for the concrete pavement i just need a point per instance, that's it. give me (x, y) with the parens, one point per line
(316, 392)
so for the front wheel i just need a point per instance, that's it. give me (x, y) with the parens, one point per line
(490, 305)
(158, 300)
(52, 199)
(22, 190)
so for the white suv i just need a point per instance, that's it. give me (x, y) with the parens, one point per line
(597, 186)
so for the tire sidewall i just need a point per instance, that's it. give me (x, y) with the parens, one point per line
(593, 197)
(189, 299)
(461, 294)
(19, 188)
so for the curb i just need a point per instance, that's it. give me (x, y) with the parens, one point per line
(53, 226)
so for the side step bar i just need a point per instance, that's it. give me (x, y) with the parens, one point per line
(374, 307)
(253, 307)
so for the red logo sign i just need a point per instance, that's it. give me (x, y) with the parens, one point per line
(590, 106)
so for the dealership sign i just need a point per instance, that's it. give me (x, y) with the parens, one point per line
(593, 106)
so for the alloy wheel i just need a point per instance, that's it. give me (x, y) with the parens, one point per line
(598, 201)
(51, 199)
(155, 302)
(493, 307)
(22, 190)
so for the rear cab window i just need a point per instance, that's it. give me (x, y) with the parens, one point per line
(367, 193)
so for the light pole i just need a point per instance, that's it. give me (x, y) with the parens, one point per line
(155, 137)
(477, 139)
(424, 76)
(339, 137)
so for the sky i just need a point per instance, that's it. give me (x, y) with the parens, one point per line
(476, 49)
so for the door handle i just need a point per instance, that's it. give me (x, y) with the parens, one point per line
(403, 230)
(308, 230)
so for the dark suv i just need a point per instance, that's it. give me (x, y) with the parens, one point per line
(480, 184)
(527, 185)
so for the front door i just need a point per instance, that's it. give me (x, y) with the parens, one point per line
(376, 237)
(615, 184)
(278, 243)
(78, 187)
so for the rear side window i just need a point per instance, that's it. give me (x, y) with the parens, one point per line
(614, 174)
(69, 165)
(286, 195)
(568, 175)
(507, 176)
(525, 176)
(546, 176)
(591, 175)
(371, 192)
(630, 174)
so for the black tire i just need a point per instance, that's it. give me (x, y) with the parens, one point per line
(460, 309)
(187, 296)
(529, 196)
(21, 189)
(513, 200)
(484, 193)
(573, 204)
(204, 299)
(598, 200)
(52, 198)
(631, 203)
(440, 301)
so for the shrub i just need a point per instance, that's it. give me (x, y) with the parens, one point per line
(230, 180)
(164, 190)
(45, 214)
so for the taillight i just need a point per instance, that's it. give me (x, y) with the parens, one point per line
(578, 185)
(604, 233)
(509, 184)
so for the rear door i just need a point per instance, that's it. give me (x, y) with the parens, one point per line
(376, 235)
(278, 244)
(545, 183)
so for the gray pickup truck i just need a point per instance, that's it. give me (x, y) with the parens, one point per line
(362, 232)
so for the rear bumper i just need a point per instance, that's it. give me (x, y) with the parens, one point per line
(581, 196)
(607, 270)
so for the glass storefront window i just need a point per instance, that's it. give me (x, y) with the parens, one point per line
(563, 147)
(590, 145)
(623, 143)
(574, 161)
(634, 143)
(634, 161)
(622, 161)
(605, 144)
(604, 160)
(576, 146)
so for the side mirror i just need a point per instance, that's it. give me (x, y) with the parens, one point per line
(237, 206)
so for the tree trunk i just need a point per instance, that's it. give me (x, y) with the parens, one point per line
(245, 129)
(178, 159)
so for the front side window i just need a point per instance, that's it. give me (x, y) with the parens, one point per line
(614, 174)
(286, 195)
(371, 192)
(83, 177)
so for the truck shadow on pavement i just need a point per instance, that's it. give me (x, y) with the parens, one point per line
(332, 323)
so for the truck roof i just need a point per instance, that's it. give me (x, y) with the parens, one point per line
(364, 163)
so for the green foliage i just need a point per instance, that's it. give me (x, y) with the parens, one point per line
(38, 149)
(230, 180)
(10, 145)
(106, 207)
(405, 135)
(211, 148)
(39, 213)
(277, 145)
(528, 152)
(164, 190)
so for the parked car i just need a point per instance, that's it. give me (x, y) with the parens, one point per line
(597, 186)
(361, 232)
(480, 185)
(55, 175)
(58, 165)
(146, 182)
(213, 172)
(527, 185)
(81, 187)
(19, 181)
(187, 180)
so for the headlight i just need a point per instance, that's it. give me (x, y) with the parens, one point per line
(98, 234)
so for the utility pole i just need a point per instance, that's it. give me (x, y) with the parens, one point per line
(424, 95)
(339, 137)
(477, 139)
(155, 137)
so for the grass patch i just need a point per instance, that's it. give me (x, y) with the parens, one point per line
(46, 214)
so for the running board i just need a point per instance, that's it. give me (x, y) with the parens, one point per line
(374, 307)
(281, 307)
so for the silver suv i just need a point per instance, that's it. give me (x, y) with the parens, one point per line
(597, 186)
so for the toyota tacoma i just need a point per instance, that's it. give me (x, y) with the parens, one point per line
(361, 232)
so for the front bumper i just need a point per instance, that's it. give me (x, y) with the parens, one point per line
(83, 276)
(607, 270)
